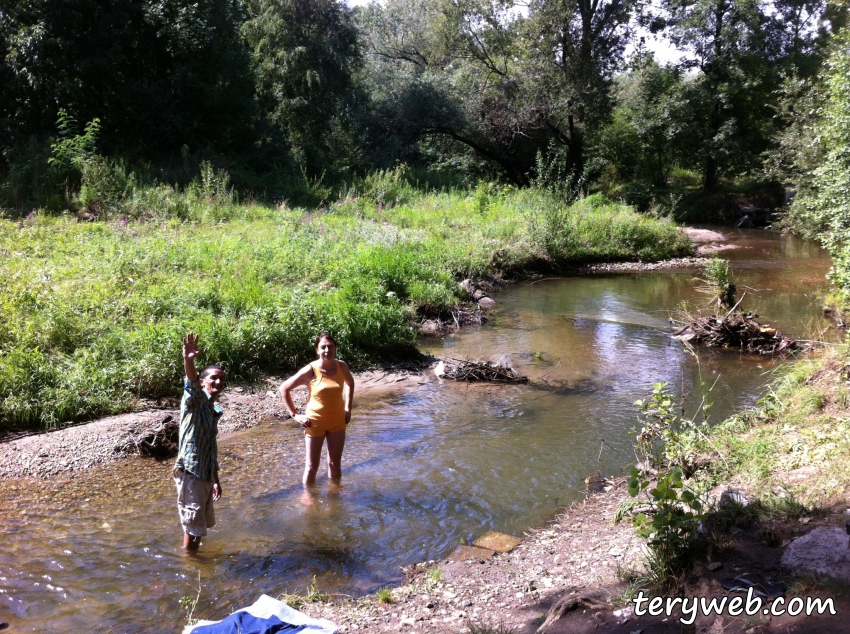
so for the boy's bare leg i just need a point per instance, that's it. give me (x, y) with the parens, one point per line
(190, 542)
(336, 443)
(312, 456)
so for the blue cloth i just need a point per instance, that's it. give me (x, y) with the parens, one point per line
(244, 623)
(265, 616)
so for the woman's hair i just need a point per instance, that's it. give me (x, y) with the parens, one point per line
(210, 369)
(324, 335)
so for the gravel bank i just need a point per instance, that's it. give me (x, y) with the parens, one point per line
(65, 451)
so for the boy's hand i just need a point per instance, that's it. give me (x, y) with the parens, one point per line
(190, 346)
(216, 490)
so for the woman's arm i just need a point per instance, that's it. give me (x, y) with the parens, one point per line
(302, 377)
(349, 393)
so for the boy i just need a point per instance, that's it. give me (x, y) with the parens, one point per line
(196, 469)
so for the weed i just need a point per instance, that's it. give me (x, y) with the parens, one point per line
(783, 505)
(293, 600)
(190, 603)
(670, 528)
(489, 628)
(432, 578)
(629, 593)
(385, 595)
(625, 509)
(734, 514)
(717, 281)
(313, 595)
(626, 573)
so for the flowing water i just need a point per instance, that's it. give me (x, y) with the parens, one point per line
(423, 469)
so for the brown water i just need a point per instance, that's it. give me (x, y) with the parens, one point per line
(423, 469)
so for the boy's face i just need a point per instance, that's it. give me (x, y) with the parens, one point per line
(214, 383)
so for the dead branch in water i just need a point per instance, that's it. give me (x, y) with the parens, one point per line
(477, 371)
(159, 441)
(740, 331)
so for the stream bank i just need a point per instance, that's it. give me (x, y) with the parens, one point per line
(576, 574)
(62, 452)
(414, 490)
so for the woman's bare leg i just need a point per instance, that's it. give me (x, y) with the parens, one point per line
(336, 443)
(312, 456)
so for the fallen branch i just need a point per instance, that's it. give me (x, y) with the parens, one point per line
(478, 371)
(740, 331)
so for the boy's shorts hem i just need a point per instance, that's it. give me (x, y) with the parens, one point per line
(194, 502)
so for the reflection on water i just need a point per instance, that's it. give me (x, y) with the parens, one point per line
(423, 469)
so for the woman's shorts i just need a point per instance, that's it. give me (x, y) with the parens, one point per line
(195, 503)
(318, 429)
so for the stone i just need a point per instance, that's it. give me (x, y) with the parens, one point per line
(735, 497)
(469, 553)
(500, 542)
(715, 566)
(823, 550)
(486, 302)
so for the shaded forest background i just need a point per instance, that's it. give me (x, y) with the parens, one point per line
(300, 100)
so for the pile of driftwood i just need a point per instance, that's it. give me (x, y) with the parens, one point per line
(736, 330)
(158, 441)
(475, 371)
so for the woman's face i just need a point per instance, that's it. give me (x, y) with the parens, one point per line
(326, 349)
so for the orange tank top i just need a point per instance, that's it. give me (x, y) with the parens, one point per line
(326, 403)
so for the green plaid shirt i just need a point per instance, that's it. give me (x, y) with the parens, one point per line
(198, 430)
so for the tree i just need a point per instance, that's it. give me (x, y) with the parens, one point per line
(577, 46)
(824, 199)
(512, 85)
(305, 52)
(159, 74)
(729, 41)
(645, 137)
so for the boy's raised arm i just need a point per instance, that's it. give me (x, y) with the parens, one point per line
(190, 351)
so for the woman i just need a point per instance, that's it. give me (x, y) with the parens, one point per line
(328, 410)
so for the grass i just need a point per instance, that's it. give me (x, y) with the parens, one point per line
(313, 595)
(384, 596)
(791, 451)
(490, 628)
(94, 312)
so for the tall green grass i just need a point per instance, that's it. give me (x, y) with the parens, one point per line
(93, 313)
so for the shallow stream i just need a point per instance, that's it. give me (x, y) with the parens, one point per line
(423, 469)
